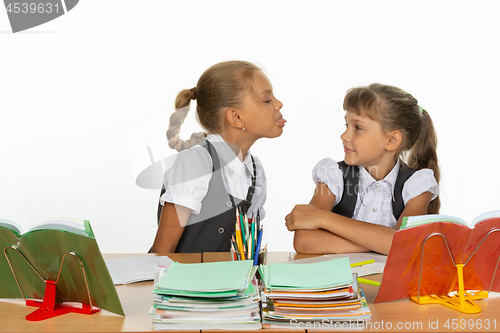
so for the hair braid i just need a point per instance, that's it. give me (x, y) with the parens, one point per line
(182, 104)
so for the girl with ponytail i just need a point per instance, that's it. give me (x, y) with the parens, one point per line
(215, 173)
(390, 170)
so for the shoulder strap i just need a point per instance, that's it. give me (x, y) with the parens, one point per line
(346, 206)
(251, 189)
(398, 204)
(215, 158)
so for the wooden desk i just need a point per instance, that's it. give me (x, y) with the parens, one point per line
(187, 258)
(137, 299)
(226, 256)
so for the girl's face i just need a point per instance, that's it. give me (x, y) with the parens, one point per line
(364, 141)
(263, 118)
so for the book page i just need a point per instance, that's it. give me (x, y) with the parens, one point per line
(12, 226)
(486, 216)
(412, 221)
(71, 225)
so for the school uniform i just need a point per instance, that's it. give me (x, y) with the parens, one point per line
(211, 181)
(374, 199)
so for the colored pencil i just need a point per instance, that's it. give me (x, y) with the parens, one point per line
(235, 256)
(363, 263)
(242, 229)
(239, 242)
(252, 237)
(250, 244)
(373, 283)
(257, 248)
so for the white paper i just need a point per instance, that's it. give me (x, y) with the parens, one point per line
(368, 269)
(135, 269)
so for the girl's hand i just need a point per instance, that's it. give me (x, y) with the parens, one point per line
(305, 217)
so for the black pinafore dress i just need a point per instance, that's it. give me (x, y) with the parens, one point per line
(211, 229)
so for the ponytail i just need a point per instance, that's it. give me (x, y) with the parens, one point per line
(423, 155)
(182, 106)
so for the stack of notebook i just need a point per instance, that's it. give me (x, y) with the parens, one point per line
(317, 295)
(219, 295)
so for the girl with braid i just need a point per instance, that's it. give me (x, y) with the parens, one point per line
(215, 172)
(360, 202)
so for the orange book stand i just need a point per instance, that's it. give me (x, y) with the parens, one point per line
(463, 300)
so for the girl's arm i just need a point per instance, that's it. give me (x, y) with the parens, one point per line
(320, 241)
(173, 219)
(350, 235)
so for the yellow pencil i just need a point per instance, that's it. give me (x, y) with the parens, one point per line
(239, 242)
(363, 263)
(373, 283)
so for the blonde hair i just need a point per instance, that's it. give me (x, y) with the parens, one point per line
(221, 86)
(395, 109)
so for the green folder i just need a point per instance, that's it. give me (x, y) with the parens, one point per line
(319, 275)
(200, 296)
(44, 249)
(213, 277)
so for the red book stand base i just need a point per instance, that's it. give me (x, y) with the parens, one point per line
(48, 308)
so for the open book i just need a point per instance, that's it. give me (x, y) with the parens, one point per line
(413, 221)
(475, 244)
(71, 225)
(43, 247)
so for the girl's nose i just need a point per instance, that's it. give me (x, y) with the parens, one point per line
(278, 105)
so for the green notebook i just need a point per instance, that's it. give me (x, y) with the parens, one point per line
(319, 275)
(44, 246)
(212, 277)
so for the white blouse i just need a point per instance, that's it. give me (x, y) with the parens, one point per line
(186, 182)
(374, 202)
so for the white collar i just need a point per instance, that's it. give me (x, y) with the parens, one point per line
(365, 179)
(228, 156)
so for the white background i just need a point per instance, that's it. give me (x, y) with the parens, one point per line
(83, 96)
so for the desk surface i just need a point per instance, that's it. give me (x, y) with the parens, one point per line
(137, 299)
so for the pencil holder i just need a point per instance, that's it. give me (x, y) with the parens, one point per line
(257, 257)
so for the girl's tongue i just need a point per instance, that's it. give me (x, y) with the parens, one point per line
(281, 122)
